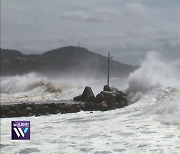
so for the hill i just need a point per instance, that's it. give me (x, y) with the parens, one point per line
(68, 60)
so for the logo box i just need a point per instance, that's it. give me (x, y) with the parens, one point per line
(20, 130)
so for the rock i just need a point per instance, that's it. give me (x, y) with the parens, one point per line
(75, 108)
(87, 96)
(122, 93)
(106, 93)
(30, 114)
(110, 98)
(89, 106)
(102, 106)
(47, 109)
(28, 109)
(124, 98)
(12, 114)
(124, 103)
(4, 110)
(65, 107)
(105, 100)
(114, 90)
(121, 101)
(106, 88)
(78, 98)
(111, 101)
(99, 98)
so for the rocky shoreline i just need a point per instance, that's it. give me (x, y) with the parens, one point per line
(108, 99)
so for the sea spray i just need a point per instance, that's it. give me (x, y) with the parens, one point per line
(155, 71)
(19, 83)
(37, 87)
(168, 110)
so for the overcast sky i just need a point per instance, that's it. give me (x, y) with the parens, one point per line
(127, 28)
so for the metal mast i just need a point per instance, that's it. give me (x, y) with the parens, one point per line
(109, 57)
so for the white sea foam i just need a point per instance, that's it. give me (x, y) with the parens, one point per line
(27, 82)
(155, 71)
(160, 78)
(169, 110)
(138, 128)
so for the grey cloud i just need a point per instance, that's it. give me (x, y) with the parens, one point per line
(84, 16)
(127, 28)
(134, 8)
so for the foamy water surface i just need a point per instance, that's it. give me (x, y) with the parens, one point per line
(138, 128)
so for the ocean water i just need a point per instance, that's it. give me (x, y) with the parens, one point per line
(150, 124)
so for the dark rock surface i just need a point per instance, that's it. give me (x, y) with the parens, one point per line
(102, 106)
(106, 88)
(87, 96)
(108, 99)
(34, 109)
(99, 98)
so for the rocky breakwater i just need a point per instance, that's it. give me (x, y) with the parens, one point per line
(38, 109)
(108, 99)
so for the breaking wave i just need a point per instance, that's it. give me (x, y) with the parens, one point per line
(24, 83)
(169, 111)
(155, 71)
(49, 86)
(156, 85)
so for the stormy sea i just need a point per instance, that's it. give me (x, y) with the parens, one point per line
(149, 124)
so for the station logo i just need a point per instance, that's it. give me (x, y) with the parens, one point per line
(20, 130)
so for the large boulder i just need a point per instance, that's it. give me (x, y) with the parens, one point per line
(110, 98)
(88, 106)
(114, 90)
(87, 96)
(105, 93)
(78, 98)
(12, 114)
(122, 93)
(99, 98)
(102, 106)
(121, 101)
(106, 88)
(111, 101)
(76, 108)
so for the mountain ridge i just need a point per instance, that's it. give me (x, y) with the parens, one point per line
(65, 60)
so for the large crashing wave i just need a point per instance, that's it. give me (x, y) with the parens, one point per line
(30, 87)
(49, 86)
(162, 102)
(18, 84)
(155, 71)
(169, 110)
(156, 85)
